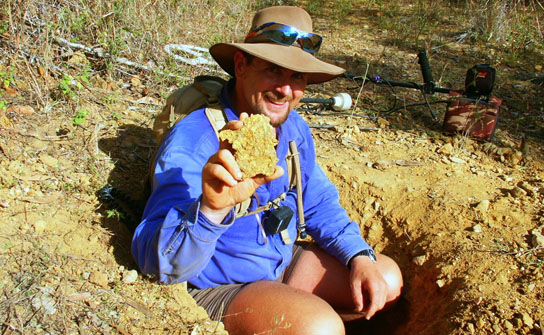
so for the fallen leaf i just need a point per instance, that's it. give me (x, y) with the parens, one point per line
(79, 296)
(138, 306)
(147, 100)
(10, 92)
(41, 71)
(18, 109)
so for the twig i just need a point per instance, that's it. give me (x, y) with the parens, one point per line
(4, 152)
(65, 43)
(361, 89)
(35, 82)
(40, 137)
(330, 126)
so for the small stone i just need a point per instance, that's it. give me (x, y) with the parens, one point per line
(518, 192)
(470, 327)
(382, 123)
(457, 160)
(419, 260)
(526, 187)
(483, 206)
(49, 161)
(79, 58)
(440, 283)
(507, 325)
(497, 329)
(99, 279)
(130, 277)
(39, 226)
(477, 228)
(537, 239)
(527, 320)
(381, 165)
(446, 149)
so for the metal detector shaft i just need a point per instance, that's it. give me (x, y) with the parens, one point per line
(317, 101)
(381, 81)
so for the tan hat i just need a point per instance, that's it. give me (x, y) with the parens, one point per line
(292, 57)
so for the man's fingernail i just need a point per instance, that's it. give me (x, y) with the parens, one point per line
(239, 175)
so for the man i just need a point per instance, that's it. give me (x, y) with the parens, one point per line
(252, 281)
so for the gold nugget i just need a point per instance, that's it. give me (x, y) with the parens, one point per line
(254, 146)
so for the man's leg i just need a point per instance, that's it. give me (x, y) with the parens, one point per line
(269, 307)
(319, 273)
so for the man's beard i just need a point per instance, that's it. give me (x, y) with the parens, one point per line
(274, 123)
(272, 97)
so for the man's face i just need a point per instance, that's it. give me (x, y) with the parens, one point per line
(265, 88)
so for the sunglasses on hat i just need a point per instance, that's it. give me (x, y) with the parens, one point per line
(284, 35)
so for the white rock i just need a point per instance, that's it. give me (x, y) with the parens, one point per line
(130, 277)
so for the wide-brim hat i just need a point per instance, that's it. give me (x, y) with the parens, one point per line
(291, 57)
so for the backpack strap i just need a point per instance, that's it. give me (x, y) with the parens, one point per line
(295, 180)
(217, 118)
(293, 152)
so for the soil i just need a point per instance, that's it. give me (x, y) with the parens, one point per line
(463, 218)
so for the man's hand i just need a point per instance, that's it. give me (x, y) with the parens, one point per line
(222, 186)
(368, 287)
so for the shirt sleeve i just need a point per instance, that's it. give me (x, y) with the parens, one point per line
(174, 240)
(327, 221)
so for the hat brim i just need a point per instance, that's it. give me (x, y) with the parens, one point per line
(289, 57)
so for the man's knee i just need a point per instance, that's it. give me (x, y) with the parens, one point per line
(322, 324)
(392, 275)
(281, 309)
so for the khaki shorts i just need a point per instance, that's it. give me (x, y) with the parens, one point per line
(216, 300)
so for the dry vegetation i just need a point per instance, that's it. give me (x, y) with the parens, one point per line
(81, 81)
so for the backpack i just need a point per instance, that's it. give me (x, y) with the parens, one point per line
(204, 92)
(475, 111)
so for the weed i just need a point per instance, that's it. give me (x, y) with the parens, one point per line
(68, 86)
(79, 118)
(315, 7)
(4, 27)
(117, 116)
(3, 105)
(114, 213)
(85, 76)
(7, 77)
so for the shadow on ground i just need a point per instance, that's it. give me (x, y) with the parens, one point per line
(123, 197)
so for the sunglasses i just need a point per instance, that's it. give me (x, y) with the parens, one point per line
(284, 35)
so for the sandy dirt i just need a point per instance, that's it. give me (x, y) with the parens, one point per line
(462, 218)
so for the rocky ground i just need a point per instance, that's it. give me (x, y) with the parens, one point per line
(462, 218)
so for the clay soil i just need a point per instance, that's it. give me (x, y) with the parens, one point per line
(462, 218)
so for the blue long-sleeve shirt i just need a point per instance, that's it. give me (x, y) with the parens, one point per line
(176, 242)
